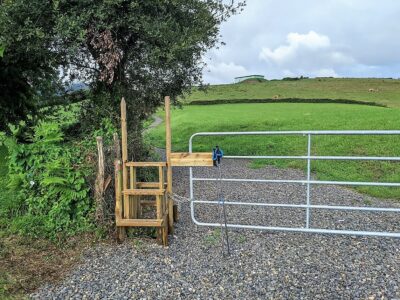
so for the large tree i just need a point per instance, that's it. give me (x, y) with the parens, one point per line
(28, 64)
(138, 49)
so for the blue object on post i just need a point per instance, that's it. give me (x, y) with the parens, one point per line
(217, 155)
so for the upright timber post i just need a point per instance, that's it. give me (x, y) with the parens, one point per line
(124, 140)
(121, 232)
(169, 167)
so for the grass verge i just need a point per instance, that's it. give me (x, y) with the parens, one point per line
(27, 263)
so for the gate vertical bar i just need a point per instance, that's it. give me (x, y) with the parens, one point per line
(191, 193)
(308, 180)
(191, 170)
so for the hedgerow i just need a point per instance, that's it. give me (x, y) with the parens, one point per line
(49, 180)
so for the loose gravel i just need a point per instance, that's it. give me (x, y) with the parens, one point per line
(262, 264)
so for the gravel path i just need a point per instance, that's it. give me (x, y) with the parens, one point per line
(263, 265)
(156, 121)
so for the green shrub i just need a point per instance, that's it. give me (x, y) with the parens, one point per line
(48, 178)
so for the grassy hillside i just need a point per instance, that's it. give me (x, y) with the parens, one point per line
(386, 91)
(284, 116)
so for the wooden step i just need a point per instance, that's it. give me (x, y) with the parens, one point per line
(148, 184)
(140, 222)
(148, 203)
(145, 164)
(149, 192)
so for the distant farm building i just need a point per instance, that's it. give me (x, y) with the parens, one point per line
(250, 78)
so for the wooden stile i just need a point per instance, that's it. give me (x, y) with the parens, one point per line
(128, 192)
(128, 206)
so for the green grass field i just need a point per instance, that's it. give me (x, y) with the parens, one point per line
(285, 116)
(387, 91)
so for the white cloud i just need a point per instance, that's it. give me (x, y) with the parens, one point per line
(280, 55)
(288, 73)
(311, 41)
(224, 72)
(342, 59)
(325, 73)
(309, 54)
(278, 38)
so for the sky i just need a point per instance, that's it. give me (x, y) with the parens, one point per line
(288, 38)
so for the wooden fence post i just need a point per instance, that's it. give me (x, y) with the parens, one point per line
(169, 167)
(124, 141)
(99, 185)
(121, 232)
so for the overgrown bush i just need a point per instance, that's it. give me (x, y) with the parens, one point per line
(294, 78)
(48, 179)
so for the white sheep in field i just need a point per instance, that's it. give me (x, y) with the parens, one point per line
(373, 90)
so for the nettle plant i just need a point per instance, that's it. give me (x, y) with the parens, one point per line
(48, 178)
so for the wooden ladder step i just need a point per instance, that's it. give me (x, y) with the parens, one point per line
(149, 184)
(144, 192)
(146, 164)
(148, 203)
(140, 222)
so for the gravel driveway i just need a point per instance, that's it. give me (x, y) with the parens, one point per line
(263, 265)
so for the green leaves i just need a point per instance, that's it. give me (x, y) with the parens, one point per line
(2, 49)
(47, 181)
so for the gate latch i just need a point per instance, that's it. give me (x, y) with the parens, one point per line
(217, 155)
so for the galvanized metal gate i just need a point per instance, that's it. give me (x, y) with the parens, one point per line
(308, 206)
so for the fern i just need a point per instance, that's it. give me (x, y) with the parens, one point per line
(47, 181)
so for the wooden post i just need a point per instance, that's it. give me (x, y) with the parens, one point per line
(124, 140)
(99, 185)
(160, 177)
(121, 233)
(164, 230)
(159, 204)
(169, 167)
(159, 217)
(132, 198)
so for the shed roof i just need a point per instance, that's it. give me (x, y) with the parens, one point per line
(255, 75)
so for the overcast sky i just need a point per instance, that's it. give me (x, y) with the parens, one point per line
(280, 38)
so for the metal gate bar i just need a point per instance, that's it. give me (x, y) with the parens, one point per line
(308, 206)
